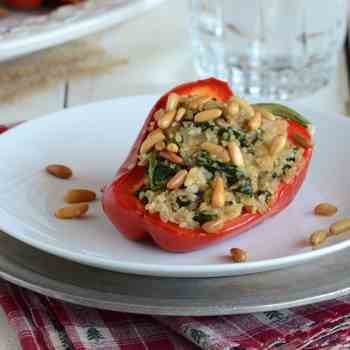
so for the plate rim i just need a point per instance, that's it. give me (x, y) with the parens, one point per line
(40, 280)
(161, 270)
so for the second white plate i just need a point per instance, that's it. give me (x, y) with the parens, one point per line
(24, 33)
(95, 139)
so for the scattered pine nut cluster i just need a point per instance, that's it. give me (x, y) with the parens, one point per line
(320, 236)
(207, 161)
(77, 198)
(316, 238)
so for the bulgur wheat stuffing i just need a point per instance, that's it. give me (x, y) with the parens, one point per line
(210, 161)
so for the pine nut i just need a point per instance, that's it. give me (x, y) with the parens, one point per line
(59, 170)
(165, 121)
(172, 157)
(318, 237)
(195, 103)
(213, 225)
(243, 104)
(177, 180)
(159, 146)
(72, 212)
(340, 226)
(180, 114)
(172, 102)
(158, 114)
(152, 138)
(277, 144)
(325, 209)
(233, 108)
(218, 196)
(302, 141)
(216, 150)
(238, 255)
(79, 196)
(255, 122)
(211, 104)
(207, 115)
(235, 154)
(172, 147)
(266, 114)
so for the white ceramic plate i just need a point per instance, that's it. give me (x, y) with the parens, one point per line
(23, 33)
(94, 140)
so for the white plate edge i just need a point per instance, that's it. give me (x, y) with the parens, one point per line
(217, 270)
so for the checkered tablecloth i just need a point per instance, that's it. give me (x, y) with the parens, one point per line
(46, 324)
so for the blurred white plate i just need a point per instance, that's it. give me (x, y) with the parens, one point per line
(95, 139)
(23, 33)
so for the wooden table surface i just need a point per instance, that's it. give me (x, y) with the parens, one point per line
(158, 48)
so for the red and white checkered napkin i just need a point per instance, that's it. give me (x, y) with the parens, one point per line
(47, 324)
(43, 323)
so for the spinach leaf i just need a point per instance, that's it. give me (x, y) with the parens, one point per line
(203, 159)
(207, 125)
(246, 187)
(256, 136)
(159, 172)
(238, 134)
(183, 201)
(204, 216)
(285, 112)
(285, 168)
(232, 171)
(234, 175)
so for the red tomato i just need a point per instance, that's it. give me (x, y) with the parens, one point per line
(24, 4)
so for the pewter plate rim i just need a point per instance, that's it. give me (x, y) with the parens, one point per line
(48, 275)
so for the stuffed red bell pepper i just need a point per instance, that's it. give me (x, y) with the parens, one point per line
(206, 166)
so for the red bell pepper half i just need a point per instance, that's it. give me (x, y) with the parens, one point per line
(131, 219)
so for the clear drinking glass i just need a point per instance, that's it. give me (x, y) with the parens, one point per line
(268, 48)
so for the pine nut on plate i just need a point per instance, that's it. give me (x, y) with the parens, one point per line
(325, 209)
(79, 196)
(74, 211)
(238, 255)
(60, 171)
(318, 237)
(340, 226)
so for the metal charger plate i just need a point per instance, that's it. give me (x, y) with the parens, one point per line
(28, 267)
